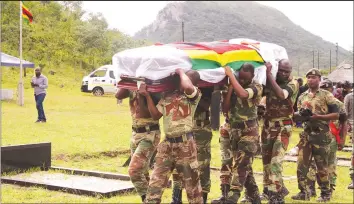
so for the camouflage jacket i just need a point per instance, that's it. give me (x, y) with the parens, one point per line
(277, 109)
(318, 103)
(201, 115)
(178, 112)
(246, 109)
(139, 120)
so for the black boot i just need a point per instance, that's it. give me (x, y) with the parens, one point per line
(225, 188)
(324, 197)
(275, 198)
(233, 197)
(143, 198)
(264, 195)
(205, 198)
(176, 196)
(312, 189)
(302, 195)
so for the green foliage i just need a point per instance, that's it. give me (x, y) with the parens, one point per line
(61, 37)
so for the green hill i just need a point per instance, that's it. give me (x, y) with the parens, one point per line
(211, 20)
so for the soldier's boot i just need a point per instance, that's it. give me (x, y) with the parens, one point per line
(225, 188)
(205, 198)
(264, 195)
(143, 198)
(324, 197)
(312, 189)
(275, 198)
(331, 189)
(302, 195)
(245, 199)
(177, 196)
(233, 197)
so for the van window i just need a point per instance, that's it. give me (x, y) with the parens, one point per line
(111, 74)
(99, 73)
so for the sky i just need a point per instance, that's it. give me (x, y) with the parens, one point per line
(331, 20)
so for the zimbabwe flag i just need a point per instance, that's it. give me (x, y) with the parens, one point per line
(26, 14)
(212, 55)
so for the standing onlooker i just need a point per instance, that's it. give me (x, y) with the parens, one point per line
(302, 89)
(40, 83)
(348, 106)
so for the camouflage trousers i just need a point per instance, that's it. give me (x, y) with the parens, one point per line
(320, 153)
(182, 157)
(226, 154)
(142, 147)
(275, 141)
(332, 163)
(244, 145)
(203, 139)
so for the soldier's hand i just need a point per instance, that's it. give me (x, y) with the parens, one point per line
(228, 71)
(269, 67)
(340, 146)
(142, 90)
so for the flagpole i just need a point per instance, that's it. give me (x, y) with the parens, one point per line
(21, 90)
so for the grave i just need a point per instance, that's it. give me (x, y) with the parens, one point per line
(19, 158)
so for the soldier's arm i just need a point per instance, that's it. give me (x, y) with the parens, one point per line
(239, 90)
(154, 112)
(227, 100)
(333, 109)
(185, 83)
(122, 94)
(346, 104)
(279, 92)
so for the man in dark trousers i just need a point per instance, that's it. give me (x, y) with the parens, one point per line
(39, 83)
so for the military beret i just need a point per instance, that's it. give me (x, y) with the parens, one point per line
(313, 71)
(326, 83)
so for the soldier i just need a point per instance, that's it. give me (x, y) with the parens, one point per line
(144, 140)
(225, 146)
(280, 98)
(203, 135)
(316, 107)
(244, 133)
(178, 150)
(339, 132)
(348, 104)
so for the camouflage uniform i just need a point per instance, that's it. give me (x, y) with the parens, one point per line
(226, 153)
(315, 140)
(203, 135)
(275, 137)
(143, 143)
(332, 157)
(244, 142)
(178, 150)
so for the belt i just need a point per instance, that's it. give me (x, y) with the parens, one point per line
(201, 123)
(180, 139)
(279, 123)
(146, 128)
(245, 124)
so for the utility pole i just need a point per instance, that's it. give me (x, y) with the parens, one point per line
(298, 66)
(313, 59)
(336, 54)
(182, 31)
(330, 60)
(318, 59)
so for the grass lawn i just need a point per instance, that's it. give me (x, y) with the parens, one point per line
(86, 132)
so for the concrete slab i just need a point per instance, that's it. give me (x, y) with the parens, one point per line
(25, 156)
(77, 184)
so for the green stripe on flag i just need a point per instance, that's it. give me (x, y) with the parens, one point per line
(237, 65)
(199, 64)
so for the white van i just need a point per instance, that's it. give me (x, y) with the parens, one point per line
(101, 81)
